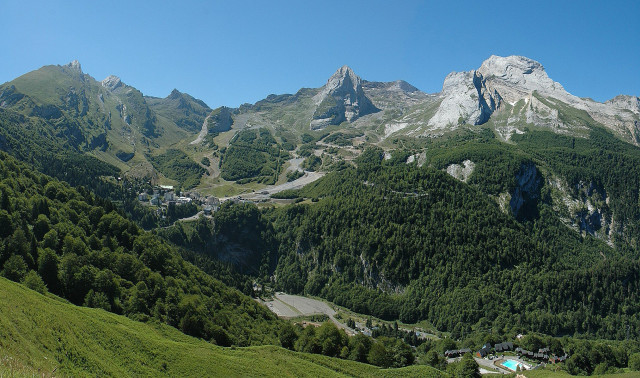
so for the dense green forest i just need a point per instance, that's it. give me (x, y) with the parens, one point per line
(176, 165)
(76, 245)
(422, 245)
(253, 155)
(34, 141)
(600, 163)
(604, 163)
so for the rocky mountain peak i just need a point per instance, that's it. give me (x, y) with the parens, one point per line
(500, 83)
(631, 103)
(509, 66)
(473, 96)
(341, 99)
(519, 76)
(74, 65)
(174, 94)
(344, 76)
(112, 82)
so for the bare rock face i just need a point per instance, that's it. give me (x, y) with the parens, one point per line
(75, 66)
(112, 83)
(525, 195)
(462, 171)
(516, 77)
(219, 120)
(341, 99)
(466, 99)
(631, 103)
(473, 97)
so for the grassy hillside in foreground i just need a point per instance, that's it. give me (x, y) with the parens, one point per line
(39, 334)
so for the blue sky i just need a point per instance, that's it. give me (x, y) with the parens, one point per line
(232, 52)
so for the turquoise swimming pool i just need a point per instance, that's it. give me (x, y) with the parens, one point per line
(513, 365)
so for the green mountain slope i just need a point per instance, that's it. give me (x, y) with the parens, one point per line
(185, 111)
(83, 250)
(110, 119)
(32, 140)
(44, 334)
(399, 241)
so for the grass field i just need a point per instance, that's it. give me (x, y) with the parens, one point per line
(44, 335)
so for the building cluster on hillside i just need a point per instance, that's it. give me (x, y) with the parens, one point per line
(543, 354)
(453, 353)
(487, 349)
(163, 195)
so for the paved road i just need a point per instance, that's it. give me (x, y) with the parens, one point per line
(191, 218)
(265, 193)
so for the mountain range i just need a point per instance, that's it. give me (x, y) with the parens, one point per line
(116, 123)
(501, 202)
(505, 93)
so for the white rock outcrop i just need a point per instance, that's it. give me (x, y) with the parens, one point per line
(462, 171)
(473, 97)
(112, 83)
(631, 103)
(74, 65)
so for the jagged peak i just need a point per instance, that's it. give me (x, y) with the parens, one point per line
(74, 65)
(112, 82)
(174, 94)
(343, 71)
(343, 79)
(342, 76)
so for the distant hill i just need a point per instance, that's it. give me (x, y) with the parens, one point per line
(107, 119)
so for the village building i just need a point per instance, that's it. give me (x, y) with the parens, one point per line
(183, 200)
(485, 351)
(503, 347)
(453, 353)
